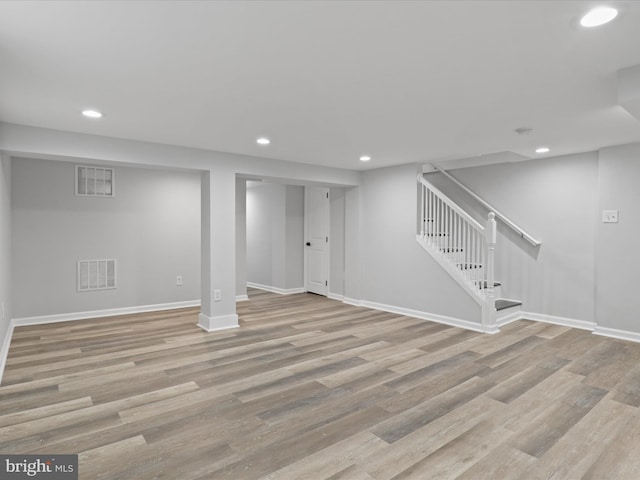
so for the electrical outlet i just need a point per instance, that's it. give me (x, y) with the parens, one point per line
(610, 216)
(217, 295)
(179, 280)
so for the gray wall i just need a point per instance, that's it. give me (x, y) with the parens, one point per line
(294, 238)
(151, 227)
(555, 200)
(617, 263)
(395, 270)
(241, 237)
(5, 248)
(336, 241)
(275, 235)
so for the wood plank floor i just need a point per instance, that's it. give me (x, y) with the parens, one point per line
(310, 388)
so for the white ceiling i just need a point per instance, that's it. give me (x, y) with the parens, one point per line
(327, 81)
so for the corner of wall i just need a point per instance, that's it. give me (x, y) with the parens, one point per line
(4, 349)
(5, 260)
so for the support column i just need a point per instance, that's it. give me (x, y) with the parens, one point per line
(353, 247)
(218, 251)
(241, 239)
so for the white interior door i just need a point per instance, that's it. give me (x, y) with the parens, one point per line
(316, 227)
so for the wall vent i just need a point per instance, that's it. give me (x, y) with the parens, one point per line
(96, 275)
(94, 181)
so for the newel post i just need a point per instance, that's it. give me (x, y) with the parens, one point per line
(490, 238)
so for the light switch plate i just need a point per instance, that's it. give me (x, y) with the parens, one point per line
(610, 216)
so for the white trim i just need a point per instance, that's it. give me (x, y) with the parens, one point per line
(212, 324)
(242, 298)
(508, 318)
(554, 320)
(431, 317)
(67, 317)
(439, 257)
(615, 333)
(281, 291)
(4, 353)
(352, 301)
(335, 296)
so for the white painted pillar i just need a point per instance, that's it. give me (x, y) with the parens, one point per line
(241, 239)
(218, 250)
(352, 245)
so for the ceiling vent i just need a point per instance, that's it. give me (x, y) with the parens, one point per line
(94, 181)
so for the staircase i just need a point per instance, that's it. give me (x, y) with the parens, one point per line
(465, 249)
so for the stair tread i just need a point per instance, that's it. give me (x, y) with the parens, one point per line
(502, 304)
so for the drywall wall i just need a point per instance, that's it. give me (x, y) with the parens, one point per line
(294, 237)
(33, 142)
(5, 255)
(336, 242)
(554, 200)
(37, 142)
(275, 236)
(352, 244)
(151, 227)
(241, 237)
(617, 265)
(260, 225)
(395, 270)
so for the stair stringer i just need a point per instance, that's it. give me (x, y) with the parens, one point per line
(489, 312)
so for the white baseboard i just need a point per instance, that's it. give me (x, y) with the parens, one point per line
(615, 333)
(501, 321)
(110, 312)
(281, 291)
(213, 324)
(4, 353)
(555, 320)
(242, 298)
(431, 317)
(335, 296)
(352, 301)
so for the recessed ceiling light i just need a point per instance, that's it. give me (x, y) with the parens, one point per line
(365, 158)
(92, 113)
(542, 150)
(598, 16)
(263, 141)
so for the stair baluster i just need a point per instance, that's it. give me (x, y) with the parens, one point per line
(461, 245)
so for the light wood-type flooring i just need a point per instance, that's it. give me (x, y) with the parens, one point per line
(311, 388)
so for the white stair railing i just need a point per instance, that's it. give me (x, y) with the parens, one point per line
(500, 216)
(463, 246)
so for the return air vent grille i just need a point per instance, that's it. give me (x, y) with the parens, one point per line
(96, 275)
(94, 181)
